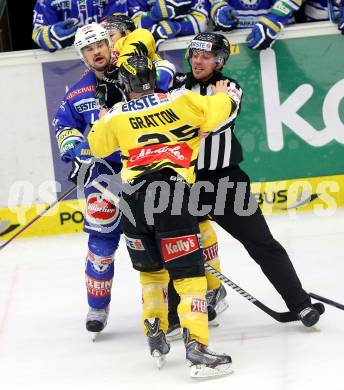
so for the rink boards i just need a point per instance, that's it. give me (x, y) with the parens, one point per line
(291, 126)
(322, 196)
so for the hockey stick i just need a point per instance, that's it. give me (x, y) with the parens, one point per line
(69, 191)
(280, 317)
(326, 300)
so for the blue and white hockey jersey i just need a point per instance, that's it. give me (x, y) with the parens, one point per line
(49, 12)
(249, 11)
(76, 114)
(192, 22)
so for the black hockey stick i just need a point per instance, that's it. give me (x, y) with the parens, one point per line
(326, 300)
(69, 191)
(280, 317)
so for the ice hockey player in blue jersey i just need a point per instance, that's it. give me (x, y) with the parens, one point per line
(336, 11)
(79, 110)
(168, 19)
(265, 18)
(56, 21)
(325, 9)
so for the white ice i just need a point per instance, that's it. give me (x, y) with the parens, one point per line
(44, 344)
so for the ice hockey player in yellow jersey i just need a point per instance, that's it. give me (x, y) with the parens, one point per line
(128, 41)
(159, 136)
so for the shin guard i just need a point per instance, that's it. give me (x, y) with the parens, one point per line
(192, 309)
(210, 252)
(154, 297)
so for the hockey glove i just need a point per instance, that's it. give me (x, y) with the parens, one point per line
(160, 10)
(82, 165)
(165, 72)
(224, 19)
(264, 32)
(166, 29)
(180, 7)
(67, 139)
(63, 32)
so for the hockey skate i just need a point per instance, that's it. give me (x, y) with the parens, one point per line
(174, 332)
(158, 345)
(96, 321)
(217, 304)
(203, 362)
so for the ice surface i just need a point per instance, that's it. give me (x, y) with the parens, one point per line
(44, 344)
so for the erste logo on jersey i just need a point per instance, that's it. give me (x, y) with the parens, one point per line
(99, 210)
(179, 154)
(84, 105)
(145, 102)
(174, 247)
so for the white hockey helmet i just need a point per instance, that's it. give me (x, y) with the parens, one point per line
(90, 33)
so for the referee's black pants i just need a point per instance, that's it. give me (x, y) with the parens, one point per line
(253, 232)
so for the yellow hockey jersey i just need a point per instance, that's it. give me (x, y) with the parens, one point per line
(139, 42)
(160, 131)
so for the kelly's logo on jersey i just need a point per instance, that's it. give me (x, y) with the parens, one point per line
(179, 154)
(172, 248)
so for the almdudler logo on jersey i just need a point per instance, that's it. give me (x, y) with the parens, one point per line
(99, 210)
(134, 243)
(179, 154)
(199, 305)
(175, 247)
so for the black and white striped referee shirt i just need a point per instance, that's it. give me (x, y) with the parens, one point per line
(217, 151)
